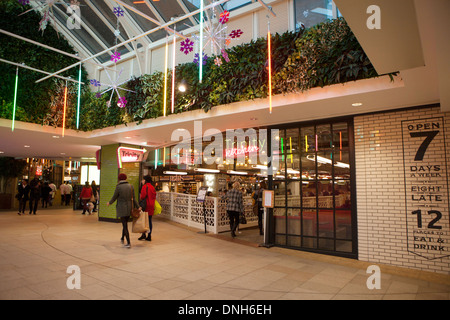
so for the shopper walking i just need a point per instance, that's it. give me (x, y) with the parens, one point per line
(62, 189)
(52, 193)
(235, 206)
(69, 191)
(45, 194)
(85, 197)
(94, 195)
(148, 193)
(35, 194)
(124, 194)
(23, 195)
(259, 198)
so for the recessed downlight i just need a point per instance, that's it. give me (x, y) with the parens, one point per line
(357, 104)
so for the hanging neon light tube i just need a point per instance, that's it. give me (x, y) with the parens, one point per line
(173, 73)
(79, 98)
(200, 53)
(269, 51)
(165, 77)
(64, 113)
(15, 99)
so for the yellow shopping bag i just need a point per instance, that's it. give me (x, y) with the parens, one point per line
(158, 208)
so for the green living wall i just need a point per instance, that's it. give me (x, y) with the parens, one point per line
(36, 102)
(323, 55)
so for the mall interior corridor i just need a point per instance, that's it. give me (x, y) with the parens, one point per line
(180, 264)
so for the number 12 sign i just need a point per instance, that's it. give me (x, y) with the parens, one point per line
(426, 187)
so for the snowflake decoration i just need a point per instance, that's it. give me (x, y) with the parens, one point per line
(114, 86)
(46, 8)
(218, 61)
(197, 59)
(187, 46)
(225, 55)
(122, 103)
(118, 11)
(236, 33)
(224, 17)
(115, 56)
(214, 35)
(95, 83)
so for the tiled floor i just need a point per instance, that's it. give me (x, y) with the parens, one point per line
(180, 263)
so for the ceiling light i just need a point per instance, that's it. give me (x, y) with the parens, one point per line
(25, 146)
(1, 152)
(243, 173)
(207, 170)
(175, 172)
(357, 104)
(55, 137)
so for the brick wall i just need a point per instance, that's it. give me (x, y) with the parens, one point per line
(384, 225)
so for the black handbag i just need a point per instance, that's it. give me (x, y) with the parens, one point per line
(242, 219)
(143, 203)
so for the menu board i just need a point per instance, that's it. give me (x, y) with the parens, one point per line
(201, 196)
(268, 199)
(426, 187)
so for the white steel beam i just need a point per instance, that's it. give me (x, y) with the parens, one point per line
(135, 38)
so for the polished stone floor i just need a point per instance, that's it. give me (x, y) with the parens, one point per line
(180, 263)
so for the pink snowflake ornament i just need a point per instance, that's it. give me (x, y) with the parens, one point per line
(225, 55)
(236, 33)
(218, 61)
(224, 17)
(115, 56)
(187, 46)
(122, 103)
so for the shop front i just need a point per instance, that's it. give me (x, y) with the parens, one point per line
(308, 165)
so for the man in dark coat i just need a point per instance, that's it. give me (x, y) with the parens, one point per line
(35, 194)
(23, 195)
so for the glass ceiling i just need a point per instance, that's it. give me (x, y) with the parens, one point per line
(99, 23)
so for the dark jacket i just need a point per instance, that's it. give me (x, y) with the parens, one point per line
(123, 194)
(45, 192)
(35, 189)
(23, 193)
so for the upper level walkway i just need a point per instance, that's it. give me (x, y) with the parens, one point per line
(180, 263)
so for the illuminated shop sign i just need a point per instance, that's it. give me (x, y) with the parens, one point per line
(234, 152)
(125, 154)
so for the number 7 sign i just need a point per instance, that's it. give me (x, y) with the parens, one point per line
(426, 187)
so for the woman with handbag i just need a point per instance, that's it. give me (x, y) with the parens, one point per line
(124, 194)
(85, 196)
(147, 203)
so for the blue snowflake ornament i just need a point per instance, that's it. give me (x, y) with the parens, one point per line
(196, 59)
